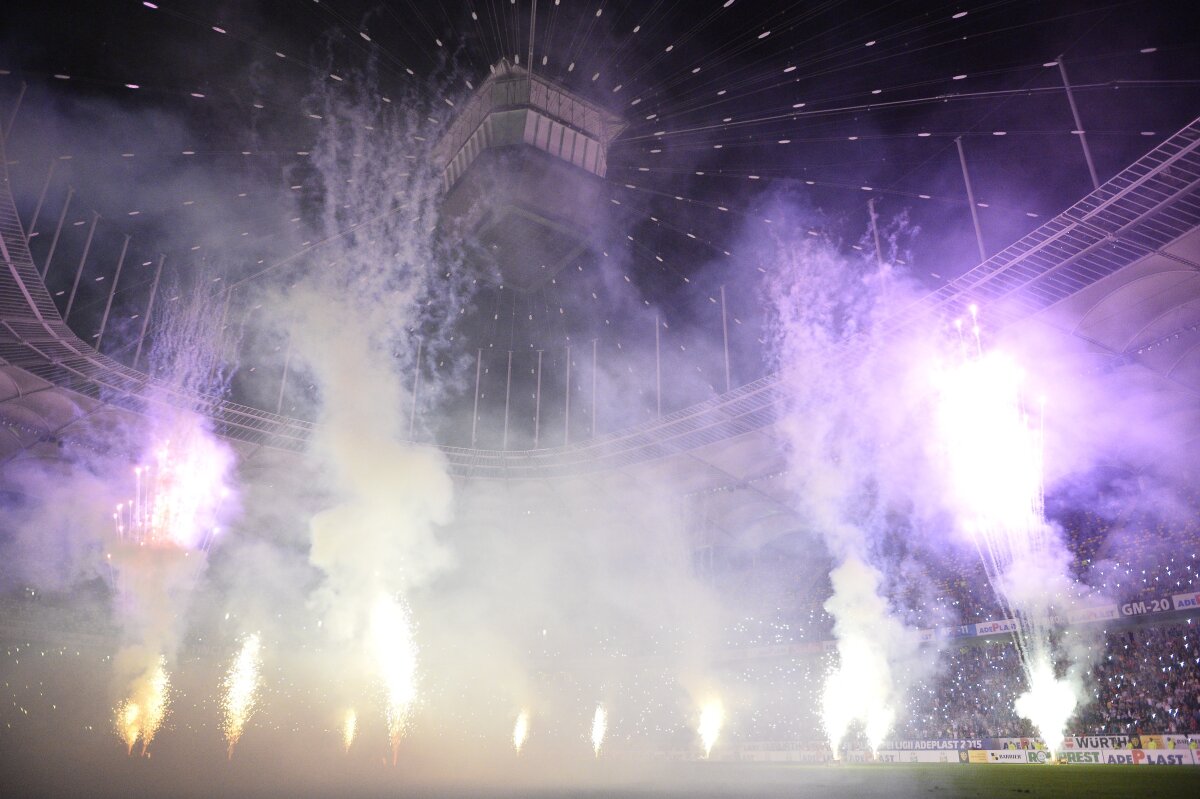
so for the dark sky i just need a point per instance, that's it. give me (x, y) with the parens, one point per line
(711, 92)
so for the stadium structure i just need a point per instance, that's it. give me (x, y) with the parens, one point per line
(1118, 270)
(524, 171)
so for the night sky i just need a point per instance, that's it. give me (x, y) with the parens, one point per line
(733, 109)
(277, 160)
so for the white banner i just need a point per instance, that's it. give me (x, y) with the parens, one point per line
(776, 756)
(1113, 757)
(1093, 614)
(996, 627)
(1146, 757)
(920, 756)
(1185, 601)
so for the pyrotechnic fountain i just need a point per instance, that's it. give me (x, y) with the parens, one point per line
(142, 714)
(170, 495)
(599, 728)
(712, 717)
(241, 686)
(165, 527)
(371, 313)
(395, 653)
(836, 424)
(163, 532)
(349, 728)
(520, 731)
(994, 451)
(860, 688)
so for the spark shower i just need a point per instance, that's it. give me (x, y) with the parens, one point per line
(358, 607)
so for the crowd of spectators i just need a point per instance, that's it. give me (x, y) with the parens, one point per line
(1144, 680)
(1148, 681)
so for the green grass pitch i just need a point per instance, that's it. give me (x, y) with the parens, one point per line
(932, 781)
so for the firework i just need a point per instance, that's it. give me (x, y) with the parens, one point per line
(349, 728)
(994, 449)
(241, 690)
(712, 716)
(176, 495)
(862, 685)
(1049, 702)
(142, 714)
(129, 723)
(395, 652)
(520, 730)
(599, 727)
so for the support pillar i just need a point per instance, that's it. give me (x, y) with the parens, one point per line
(657, 365)
(532, 30)
(567, 412)
(37, 210)
(725, 338)
(287, 362)
(412, 416)
(962, 160)
(112, 292)
(1087, 153)
(137, 356)
(87, 246)
(475, 414)
(594, 387)
(875, 233)
(224, 325)
(507, 396)
(16, 109)
(57, 232)
(537, 404)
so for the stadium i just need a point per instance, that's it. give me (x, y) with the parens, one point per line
(599, 398)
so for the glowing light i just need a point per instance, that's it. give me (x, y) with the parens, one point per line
(129, 725)
(712, 717)
(142, 714)
(1048, 703)
(994, 458)
(349, 728)
(861, 687)
(599, 727)
(520, 731)
(395, 653)
(241, 690)
(175, 496)
(994, 455)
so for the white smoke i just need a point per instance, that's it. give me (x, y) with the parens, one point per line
(843, 441)
(354, 317)
(176, 500)
(992, 437)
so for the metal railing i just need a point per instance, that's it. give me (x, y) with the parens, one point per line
(1136, 213)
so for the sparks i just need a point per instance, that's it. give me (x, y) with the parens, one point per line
(861, 686)
(142, 714)
(599, 727)
(1049, 702)
(520, 731)
(395, 653)
(241, 690)
(349, 727)
(712, 716)
(994, 456)
(176, 496)
(129, 723)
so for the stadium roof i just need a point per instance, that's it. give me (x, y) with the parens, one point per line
(187, 129)
(1118, 268)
